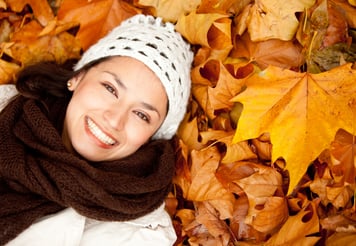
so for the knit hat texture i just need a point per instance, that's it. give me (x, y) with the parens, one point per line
(159, 47)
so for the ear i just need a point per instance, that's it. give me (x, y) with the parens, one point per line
(73, 83)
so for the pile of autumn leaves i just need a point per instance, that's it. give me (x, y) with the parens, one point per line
(266, 152)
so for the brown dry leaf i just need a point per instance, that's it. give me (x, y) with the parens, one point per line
(188, 132)
(337, 29)
(96, 17)
(182, 176)
(340, 197)
(223, 122)
(199, 235)
(186, 216)
(297, 228)
(5, 29)
(205, 186)
(208, 216)
(338, 222)
(169, 10)
(41, 9)
(8, 71)
(3, 4)
(264, 19)
(348, 11)
(208, 30)
(297, 203)
(229, 172)
(284, 54)
(222, 6)
(341, 238)
(301, 111)
(330, 191)
(29, 47)
(318, 185)
(214, 86)
(343, 153)
(269, 215)
(325, 38)
(55, 27)
(263, 147)
(241, 230)
(234, 151)
(266, 211)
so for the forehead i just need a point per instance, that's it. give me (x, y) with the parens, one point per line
(126, 67)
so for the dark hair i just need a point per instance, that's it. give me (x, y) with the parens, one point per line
(49, 79)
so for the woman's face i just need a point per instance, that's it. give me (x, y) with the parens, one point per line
(116, 107)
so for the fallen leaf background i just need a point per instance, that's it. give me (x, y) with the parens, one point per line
(266, 154)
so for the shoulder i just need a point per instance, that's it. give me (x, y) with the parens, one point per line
(64, 228)
(6, 93)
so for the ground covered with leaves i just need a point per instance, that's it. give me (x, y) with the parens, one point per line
(266, 154)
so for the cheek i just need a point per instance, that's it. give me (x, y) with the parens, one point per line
(137, 136)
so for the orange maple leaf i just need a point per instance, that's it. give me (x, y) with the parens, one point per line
(96, 17)
(298, 228)
(214, 86)
(41, 9)
(284, 54)
(301, 111)
(30, 45)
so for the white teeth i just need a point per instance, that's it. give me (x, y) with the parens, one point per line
(99, 134)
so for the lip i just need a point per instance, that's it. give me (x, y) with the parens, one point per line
(101, 143)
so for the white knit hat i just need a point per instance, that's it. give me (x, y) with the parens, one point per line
(163, 50)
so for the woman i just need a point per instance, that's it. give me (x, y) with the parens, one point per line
(85, 155)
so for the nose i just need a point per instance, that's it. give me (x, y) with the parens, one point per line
(116, 117)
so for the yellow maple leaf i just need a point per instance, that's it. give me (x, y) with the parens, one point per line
(269, 19)
(301, 111)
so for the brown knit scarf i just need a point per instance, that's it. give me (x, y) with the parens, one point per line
(39, 177)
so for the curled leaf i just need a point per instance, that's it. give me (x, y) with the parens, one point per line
(265, 17)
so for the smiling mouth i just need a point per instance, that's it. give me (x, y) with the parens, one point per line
(98, 133)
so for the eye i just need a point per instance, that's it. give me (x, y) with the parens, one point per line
(143, 116)
(110, 89)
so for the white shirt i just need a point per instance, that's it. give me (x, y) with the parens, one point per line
(68, 228)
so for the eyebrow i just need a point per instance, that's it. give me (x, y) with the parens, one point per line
(118, 81)
(144, 104)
